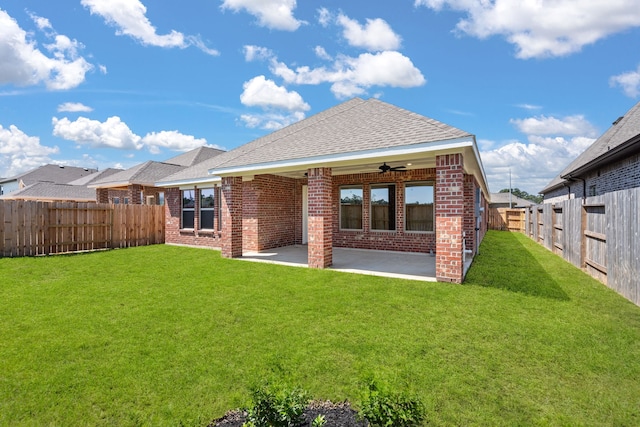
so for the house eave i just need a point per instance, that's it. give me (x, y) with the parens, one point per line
(211, 179)
(343, 159)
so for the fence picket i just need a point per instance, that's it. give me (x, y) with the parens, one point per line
(29, 228)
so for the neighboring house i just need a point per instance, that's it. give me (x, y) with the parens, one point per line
(363, 174)
(506, 200)
(611, 163)
(74, 191)
(136, 185)
(56, 174)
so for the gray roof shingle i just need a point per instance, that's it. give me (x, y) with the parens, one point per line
(195, 156)
(53, 191)
(51, 173)
(146, 173)
(353, 126)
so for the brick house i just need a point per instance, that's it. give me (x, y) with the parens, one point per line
(136, 185)
(363, 174)
(611, 163)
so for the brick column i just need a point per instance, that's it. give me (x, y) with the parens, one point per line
(231, 216)
(469, 223)
(102, 195)
(449, 217)
(320, 250)
(134, 191)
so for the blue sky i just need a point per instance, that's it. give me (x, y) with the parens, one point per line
(113, 83)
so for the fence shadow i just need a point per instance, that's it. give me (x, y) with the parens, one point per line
(505, 263)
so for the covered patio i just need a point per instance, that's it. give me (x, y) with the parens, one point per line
(401, 265)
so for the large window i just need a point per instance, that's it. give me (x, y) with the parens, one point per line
(351, 208)
(207, 209)
(383, 207)
(418, 200)
(188, 207)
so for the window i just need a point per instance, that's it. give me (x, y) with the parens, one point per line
(116, 200)
(592, 191)
(126, 200)
(418, 200)
(383, 207)
(351, 208)
(150, 200)
(207, 212)
(188, 207)
(161, 198)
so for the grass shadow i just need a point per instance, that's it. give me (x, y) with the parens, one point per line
(505, 262)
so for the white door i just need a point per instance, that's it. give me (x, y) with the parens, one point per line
(305, 214)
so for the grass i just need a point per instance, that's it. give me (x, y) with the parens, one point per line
(164, 335)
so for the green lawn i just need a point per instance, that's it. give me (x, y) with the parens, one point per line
(166, 335)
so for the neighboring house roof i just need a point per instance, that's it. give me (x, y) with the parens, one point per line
(49, 191)
(194, 157)
(352, 133)
(503, 199)
(614, 144)
(146, 173)
(51, 173)
(86, 180)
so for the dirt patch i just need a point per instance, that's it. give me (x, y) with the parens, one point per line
(336, 415)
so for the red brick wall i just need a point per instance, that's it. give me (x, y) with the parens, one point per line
(175, 235)
(450, 206)
(320, 218)
(232, 193)
(398, 240)
(270, 204)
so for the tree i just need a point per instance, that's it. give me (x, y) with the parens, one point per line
(537, 199)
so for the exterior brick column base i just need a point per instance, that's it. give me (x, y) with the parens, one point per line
(320, 247)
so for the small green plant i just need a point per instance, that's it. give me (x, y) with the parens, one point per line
(319, 421)
(277, 406)
(383, 408)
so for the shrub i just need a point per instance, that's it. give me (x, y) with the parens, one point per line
(277, 406)
(383, 408)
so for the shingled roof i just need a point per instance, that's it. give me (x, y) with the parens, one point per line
(353, 126)
(146, 173)
(623, 134)
(195, 156)
(51, 173)
(50, 191)
(356, 129)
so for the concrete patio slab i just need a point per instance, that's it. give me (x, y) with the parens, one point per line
(404, 265)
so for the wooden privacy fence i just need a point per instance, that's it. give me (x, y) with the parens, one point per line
(599, 234)
(507, 219)
(29, 228)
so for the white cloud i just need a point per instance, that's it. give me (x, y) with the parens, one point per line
(20, 152)
(112, 133)
(23, 64)
(375, 36)
(271, 121)
(254, 53)
(322, 53)
(74, 107)
(324, 17)
(543, 28)
(274, 14)
(129, 17)
(260, 92)
(529, 106)
(551, 145)
(629, 82)
(543, 125)
(353, 76)
(172, 140)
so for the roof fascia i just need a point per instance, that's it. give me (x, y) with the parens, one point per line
(336, 159)
(211, 179)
